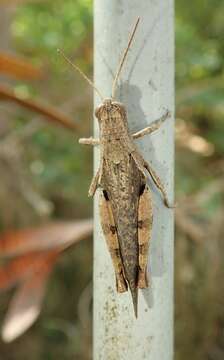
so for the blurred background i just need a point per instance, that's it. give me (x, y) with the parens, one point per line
(44, 177)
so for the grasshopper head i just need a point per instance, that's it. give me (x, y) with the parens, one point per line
(111, 108)
(107, 103)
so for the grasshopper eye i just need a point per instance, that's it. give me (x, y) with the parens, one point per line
(119, 105)
(120, 108)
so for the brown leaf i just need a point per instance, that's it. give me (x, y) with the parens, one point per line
(19, 269)
(6, 94)
(37, 250)
(14, 66)
(26, 305)
(50, 236)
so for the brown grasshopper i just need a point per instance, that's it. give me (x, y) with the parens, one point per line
(125, 198)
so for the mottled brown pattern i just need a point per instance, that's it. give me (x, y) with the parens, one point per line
(125, 205)
(122, 181)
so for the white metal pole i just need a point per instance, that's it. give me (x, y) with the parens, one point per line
(147, 90)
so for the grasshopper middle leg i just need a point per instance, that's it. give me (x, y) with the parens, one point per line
(153, 126)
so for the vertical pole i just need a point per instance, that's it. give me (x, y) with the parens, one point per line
(147, 90)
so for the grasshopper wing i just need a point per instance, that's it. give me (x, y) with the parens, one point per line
(110, 233)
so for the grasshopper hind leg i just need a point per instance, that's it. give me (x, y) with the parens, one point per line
(110, 233)
(144, 233)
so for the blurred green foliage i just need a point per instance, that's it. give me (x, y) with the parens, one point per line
(57, 24)
(61, 171)
(199, 81)
(59, 159)
(199, 179)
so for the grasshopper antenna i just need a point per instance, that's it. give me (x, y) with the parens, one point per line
(81, 73)
(123, 58)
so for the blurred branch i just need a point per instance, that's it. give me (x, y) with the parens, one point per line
(48, 111)
(14, 66)
(57, 235)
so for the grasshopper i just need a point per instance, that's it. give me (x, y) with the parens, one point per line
(125, 198)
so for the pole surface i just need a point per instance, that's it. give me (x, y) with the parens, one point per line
(147, 90)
